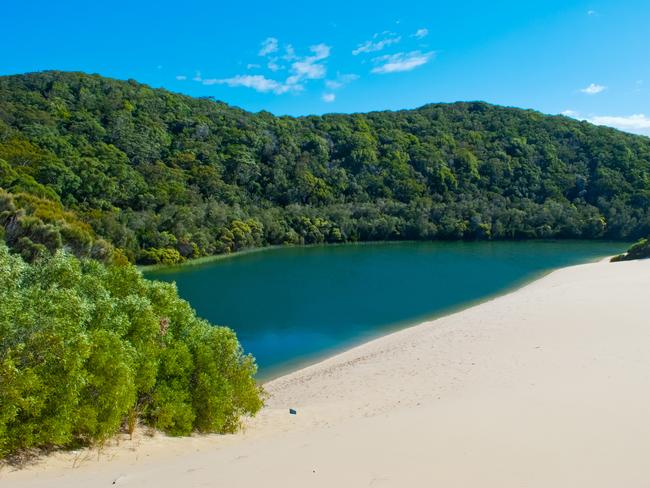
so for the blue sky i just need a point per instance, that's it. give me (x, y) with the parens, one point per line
(587, 59)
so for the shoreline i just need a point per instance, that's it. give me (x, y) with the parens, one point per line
(299, 365)
(524, 387)
(147, 268)
(399, 327)
(188, 263)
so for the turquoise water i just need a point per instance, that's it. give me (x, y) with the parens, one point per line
(290, 306)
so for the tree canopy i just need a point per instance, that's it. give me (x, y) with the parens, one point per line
(94, 164)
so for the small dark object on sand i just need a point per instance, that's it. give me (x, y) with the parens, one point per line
(292, 411)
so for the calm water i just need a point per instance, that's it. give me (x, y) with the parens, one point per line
(290, 306)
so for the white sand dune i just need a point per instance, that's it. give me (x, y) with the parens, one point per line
(548, 386)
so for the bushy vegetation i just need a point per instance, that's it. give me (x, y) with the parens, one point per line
(87, 349)
(165, 177)
(639, 250)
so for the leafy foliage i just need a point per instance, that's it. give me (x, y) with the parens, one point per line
(165, 177)
(87, 348)
(639, 250)
(34, 226)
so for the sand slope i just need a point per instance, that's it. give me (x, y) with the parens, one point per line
(548, 386)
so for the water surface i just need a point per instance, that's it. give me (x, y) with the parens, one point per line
(290, 306)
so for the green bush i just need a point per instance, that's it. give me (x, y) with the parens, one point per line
(161, 256)
(87, 348)
(640, 250)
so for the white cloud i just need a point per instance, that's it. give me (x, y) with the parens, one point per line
(289, 53)
(273, 64)
(394, 63)
(197, 77)
(591, 13)
(374, 46)
(421, 33)
(269, 45)
(306, 70)
(341, 81)
(309, 68)
(635, 123)
(181, 77)
(328, 97)
(257, 82)
(593, 89)
(321, 51)
(333, 84)
(348, 78)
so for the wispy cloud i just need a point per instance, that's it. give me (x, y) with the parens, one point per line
(421, 33)
(328, 97)
(638, 123)
(377, 43)
(257, 82)
(269, 45)
(591, 13)
(181, 77)
(635, 123)
(273, 65)
(321, 51)
(289, 53)
(593, 89)
(309, 67)
(302, 69)
(306, 70)
(333, 84)
(404, 61)
(340, 81)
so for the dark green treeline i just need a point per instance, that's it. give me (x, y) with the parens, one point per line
(93, 164)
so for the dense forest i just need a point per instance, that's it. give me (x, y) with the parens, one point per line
(107, 168)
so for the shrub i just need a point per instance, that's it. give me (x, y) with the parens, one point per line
(86, 348)
(166, 256)
(639, 250)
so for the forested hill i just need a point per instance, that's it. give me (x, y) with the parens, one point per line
(98, 165)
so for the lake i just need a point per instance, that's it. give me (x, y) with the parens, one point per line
(291, 306)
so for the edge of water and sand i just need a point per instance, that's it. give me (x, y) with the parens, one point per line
(547, 385)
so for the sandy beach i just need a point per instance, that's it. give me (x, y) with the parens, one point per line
(547, 386)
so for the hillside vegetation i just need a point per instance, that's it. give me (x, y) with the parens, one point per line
(100, 166)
